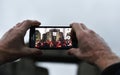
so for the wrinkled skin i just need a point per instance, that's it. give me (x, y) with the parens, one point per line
(12, 45)
(91, 47)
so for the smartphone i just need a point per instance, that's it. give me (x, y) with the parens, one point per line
(51, 37)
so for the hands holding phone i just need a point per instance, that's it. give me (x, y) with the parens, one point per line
(12, 45)
(91, 47)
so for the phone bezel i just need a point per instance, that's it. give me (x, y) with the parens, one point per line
(32, 37)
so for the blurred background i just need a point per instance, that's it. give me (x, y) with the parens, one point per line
(100, 15)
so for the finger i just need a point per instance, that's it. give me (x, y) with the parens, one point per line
(74, 51)
(32, 52)
(74, 39)
(28, 23)
(83, 26)
(76, 31)
(77, 28)
(18, 24)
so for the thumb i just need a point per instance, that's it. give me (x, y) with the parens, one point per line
(75, 51)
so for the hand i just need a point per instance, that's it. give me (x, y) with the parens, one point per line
(12, 45)
(91, 47)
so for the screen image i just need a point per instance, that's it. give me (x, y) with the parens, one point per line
(53, 38)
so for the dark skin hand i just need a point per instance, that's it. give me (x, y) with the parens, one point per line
(12, 45)
(91, 47)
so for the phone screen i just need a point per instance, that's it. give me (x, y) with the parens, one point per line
(53, 38)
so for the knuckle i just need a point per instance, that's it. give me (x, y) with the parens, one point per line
(18, 24)
(91, 31)
(74, 23)
(81, 23)
(11, 29)
(26, 21)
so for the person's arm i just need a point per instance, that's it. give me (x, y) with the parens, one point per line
(91, 47)
(12, 45)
